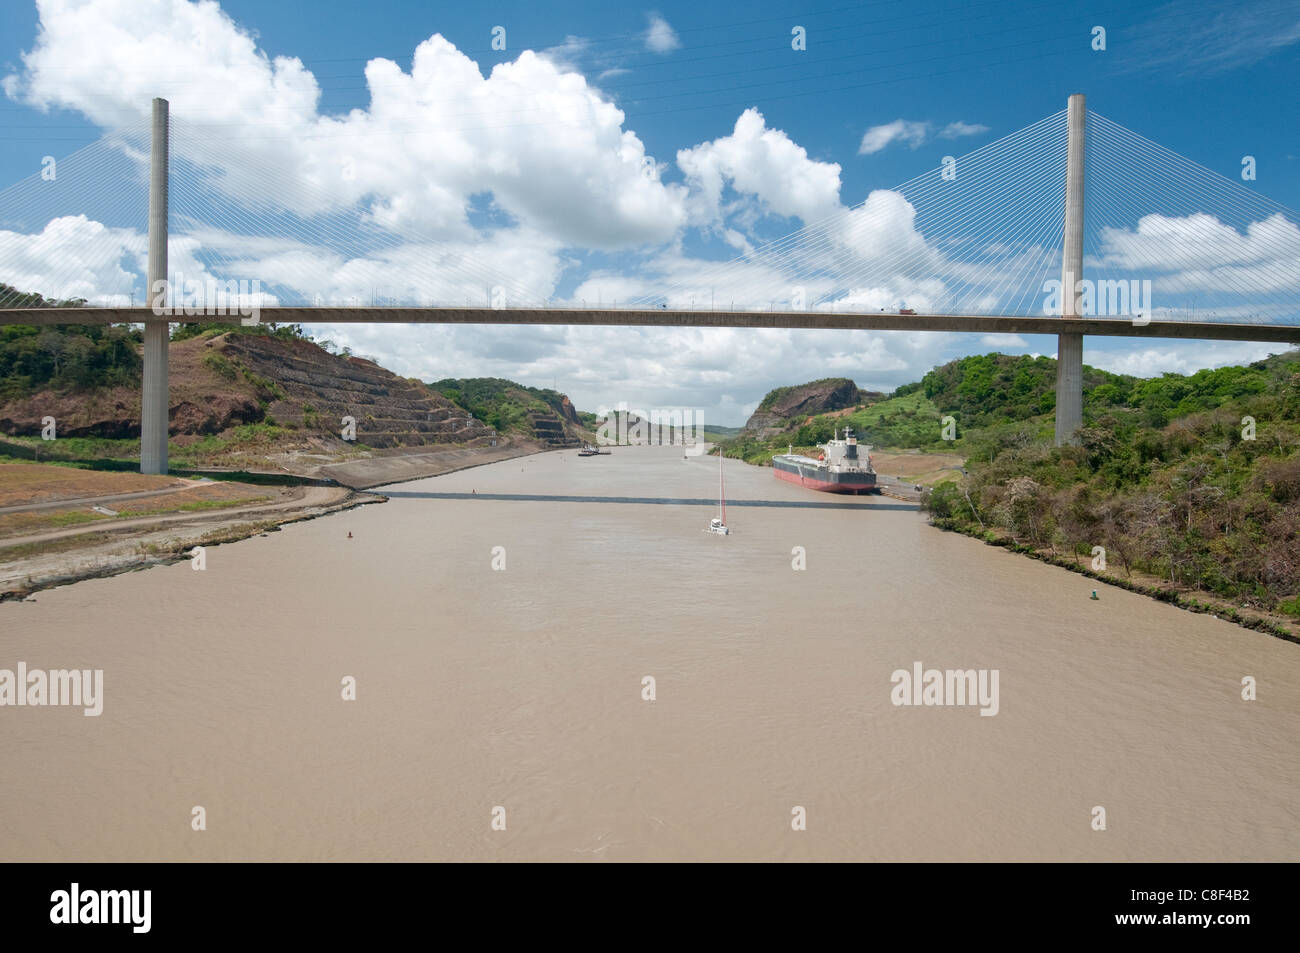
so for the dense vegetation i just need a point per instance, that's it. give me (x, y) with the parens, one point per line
(501, 404)
(63, 357)
(66, 357)
(1193, 479)
(908, 421)
(283, 332)
(999, 399)
(989, 389)
(75, 357)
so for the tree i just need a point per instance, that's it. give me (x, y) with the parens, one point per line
(52, 343)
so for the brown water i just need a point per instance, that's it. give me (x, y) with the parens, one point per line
(522, 689)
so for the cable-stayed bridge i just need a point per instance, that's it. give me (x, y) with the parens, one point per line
(983, 243)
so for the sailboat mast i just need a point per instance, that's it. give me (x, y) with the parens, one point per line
(722, 496)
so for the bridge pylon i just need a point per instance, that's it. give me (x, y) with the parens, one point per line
(1069, 347)
(155, 407)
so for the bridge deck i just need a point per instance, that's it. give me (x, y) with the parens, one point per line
(976, 324)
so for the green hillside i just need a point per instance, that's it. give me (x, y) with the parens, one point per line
(1000, 399)
(503, 404)
(66, 358)
(1191, 479)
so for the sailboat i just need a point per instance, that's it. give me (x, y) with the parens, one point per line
(719, 523)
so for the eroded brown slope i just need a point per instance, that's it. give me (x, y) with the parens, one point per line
(220, 382)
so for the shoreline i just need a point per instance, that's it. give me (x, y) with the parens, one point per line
(371, 472)
(155, 545)
(112, 551)
(1191, 600)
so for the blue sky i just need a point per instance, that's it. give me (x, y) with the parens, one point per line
(1209, 82)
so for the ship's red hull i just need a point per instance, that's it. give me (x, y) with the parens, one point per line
(815, 484)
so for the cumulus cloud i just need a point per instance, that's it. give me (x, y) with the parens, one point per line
(660, 37)
(1002, 340)
(882, 226)
(1198, 252)
(75, 257)
(547, 146)
(760, 162)
(474, 149)
(1181, 358)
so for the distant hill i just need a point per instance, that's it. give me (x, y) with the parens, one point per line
(1010, 397)
(785, 405)
(721, 432)
(987, 389)
(512, 408)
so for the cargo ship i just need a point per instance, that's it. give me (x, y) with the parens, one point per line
(843, 467)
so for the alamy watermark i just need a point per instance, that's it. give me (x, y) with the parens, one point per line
(948, 687)
(77, 905)
(671, 426)
(1130, 299)
(210, 297)
(57, 687)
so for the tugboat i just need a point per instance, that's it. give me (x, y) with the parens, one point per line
(840, 469)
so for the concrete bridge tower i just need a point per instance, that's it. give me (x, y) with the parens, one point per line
(1069, 348)
(155, 406)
